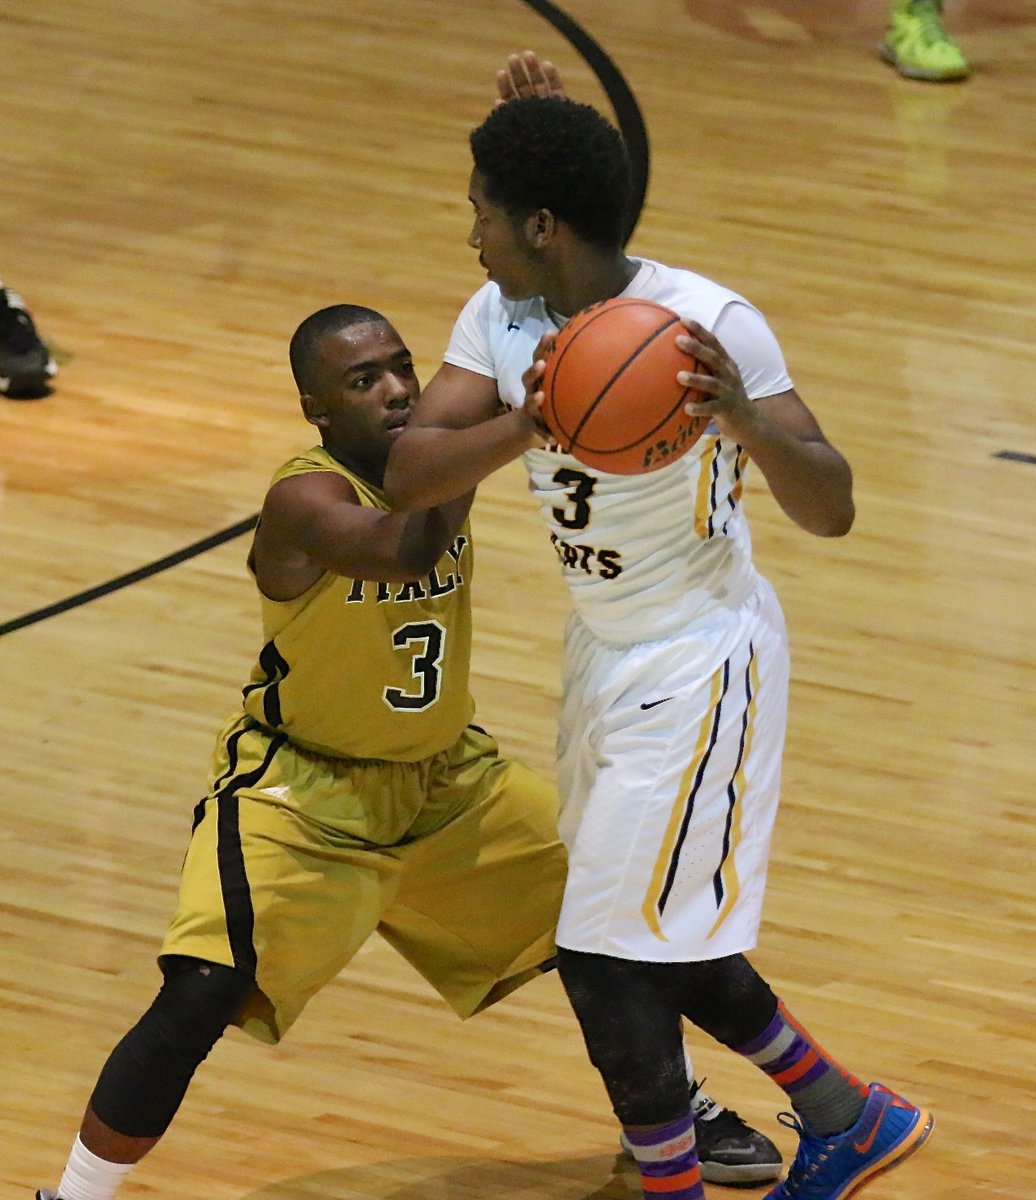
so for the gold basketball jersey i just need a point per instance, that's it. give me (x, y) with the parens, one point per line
(363, 669)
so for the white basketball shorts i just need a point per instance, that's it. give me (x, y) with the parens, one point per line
(669, 762)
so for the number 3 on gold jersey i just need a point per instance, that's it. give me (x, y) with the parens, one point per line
(426, 667)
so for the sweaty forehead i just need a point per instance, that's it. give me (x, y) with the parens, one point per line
(366, 342)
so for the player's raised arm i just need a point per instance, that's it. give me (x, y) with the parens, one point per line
(458, 435)
(314, 523)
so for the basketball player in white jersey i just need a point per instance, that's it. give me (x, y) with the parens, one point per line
(676, 659)
(350, 791)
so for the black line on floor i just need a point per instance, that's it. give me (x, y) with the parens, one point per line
(121, 581)
(630, 121)
(627, 111)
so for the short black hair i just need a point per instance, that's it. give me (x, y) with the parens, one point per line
(560, 155)
(332, 319)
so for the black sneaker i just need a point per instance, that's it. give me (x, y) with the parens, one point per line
(26, 366)
(44, 1195)
(729, 1149)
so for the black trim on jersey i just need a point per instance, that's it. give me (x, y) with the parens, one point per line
(674, 861)
(276, 667)
(199, 814)
(739, 450)
(714, 471)
(233, 878)
(717, 879)
(232, 741)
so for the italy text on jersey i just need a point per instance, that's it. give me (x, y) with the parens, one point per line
(415, 589)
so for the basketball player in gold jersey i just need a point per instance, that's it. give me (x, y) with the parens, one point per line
(350, 793)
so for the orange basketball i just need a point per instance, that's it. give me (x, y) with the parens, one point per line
(611, 398)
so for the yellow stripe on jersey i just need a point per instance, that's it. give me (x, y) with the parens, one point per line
(652, 900)
(358, 668)
(739, 477)
(728, 871)
(706, 477)
(706, 501)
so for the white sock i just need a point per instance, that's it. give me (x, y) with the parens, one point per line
(703, 1105)
(88, 1177)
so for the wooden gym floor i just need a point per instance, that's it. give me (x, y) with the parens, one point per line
(181, 184)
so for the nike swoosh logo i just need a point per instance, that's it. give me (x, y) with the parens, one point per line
(512, 326)
(656, 703)
(868, 1141)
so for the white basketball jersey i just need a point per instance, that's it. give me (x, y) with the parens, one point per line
(643, 555)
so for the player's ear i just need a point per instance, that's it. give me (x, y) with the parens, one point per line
(314, 410)
(540, 227)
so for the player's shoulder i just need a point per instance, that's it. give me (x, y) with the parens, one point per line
(309, 481)
(684, 291)
(316, 458)
(303, 494)
(498, 312)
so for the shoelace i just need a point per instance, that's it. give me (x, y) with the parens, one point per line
(929, 18)
(811, 1155)
(726, 1122)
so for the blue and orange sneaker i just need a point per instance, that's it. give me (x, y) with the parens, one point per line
(889, 1130)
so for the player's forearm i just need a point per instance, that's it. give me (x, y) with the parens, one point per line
(454, 512)
(426, 536)
(809, 479)
(430, 465)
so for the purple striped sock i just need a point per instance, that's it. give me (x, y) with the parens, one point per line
(668, 1160)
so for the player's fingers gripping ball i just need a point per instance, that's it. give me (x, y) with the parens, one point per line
(611, 397)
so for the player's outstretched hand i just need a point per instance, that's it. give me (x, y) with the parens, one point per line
(724, 398)
(532, 378)
(526, 76)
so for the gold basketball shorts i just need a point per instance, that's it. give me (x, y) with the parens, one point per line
(296, 859)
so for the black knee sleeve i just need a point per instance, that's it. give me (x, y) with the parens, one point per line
(147, 1074)
(726, 997)
(632, 1032)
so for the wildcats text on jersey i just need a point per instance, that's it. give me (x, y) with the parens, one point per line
(606, 564)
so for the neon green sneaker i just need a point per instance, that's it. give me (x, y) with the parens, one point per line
(918, 46)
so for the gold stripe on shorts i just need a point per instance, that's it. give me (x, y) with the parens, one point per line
(669, 855)
(728, 886)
